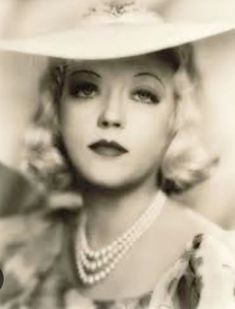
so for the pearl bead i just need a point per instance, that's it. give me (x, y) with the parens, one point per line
(95, 265)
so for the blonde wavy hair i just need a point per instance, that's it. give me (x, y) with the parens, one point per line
(186, 162)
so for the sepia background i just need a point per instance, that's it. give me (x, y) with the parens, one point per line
(216, 61)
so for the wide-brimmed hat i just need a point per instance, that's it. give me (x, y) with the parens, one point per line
(115, 29)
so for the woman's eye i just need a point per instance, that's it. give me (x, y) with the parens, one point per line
(146, 96)
(83, 90)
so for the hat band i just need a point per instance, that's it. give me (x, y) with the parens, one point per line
(129, 18)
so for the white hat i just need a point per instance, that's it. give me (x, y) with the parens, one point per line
(115, 29)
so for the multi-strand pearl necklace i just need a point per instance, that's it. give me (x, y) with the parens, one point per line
(95, 265)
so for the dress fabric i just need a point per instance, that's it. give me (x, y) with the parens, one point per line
(36, 257)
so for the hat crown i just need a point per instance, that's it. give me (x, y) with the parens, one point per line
(121, 12)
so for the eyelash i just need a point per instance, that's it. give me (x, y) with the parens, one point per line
(83, 90)
(145, 96)
(87, 90)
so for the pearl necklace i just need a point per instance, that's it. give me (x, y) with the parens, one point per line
(95, 265)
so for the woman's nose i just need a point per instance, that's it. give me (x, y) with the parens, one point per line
(112, 113)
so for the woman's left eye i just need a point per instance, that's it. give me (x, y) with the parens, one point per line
(145, 96)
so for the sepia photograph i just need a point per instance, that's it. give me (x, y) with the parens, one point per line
(117, 147)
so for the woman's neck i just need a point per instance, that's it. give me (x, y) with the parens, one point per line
(112, 212)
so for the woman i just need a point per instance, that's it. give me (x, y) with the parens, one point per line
(116, 131)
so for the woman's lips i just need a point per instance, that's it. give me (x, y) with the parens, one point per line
(108, 148)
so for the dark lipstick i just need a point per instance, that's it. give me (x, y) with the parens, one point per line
(108, 148)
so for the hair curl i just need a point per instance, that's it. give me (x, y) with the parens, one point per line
(46, 162)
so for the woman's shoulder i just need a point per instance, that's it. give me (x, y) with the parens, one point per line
(206, 267)
(31, 254)
(187, 217)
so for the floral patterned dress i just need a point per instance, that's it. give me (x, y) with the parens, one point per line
(37, 260)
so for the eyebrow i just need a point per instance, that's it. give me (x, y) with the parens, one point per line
(85, 71)
(149, 74)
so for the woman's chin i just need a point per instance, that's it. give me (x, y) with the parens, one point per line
(105, 183)
(112, 181)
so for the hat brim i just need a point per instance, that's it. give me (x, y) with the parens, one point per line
(114, 41)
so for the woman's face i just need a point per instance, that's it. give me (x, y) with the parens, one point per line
(115, 118)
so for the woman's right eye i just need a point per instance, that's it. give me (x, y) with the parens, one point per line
(83, 90)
